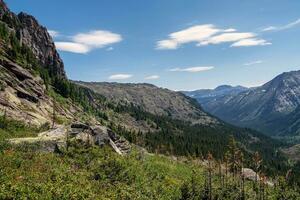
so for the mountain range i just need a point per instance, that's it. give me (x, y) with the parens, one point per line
(272, 108)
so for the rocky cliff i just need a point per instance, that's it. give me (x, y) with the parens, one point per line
(23, 96)
(32, 34)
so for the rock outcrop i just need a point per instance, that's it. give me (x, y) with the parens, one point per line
(250, 174)
(94, 135)
(23, 96)
(120, 144)
(35, 36)
(56, 139)
(99, 135)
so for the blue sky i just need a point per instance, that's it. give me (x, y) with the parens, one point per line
(177, 44)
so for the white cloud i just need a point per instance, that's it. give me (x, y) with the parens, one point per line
(167, 44)
(281, 28)
(120, 76)
(269, 28)
(227, 37)
(86, 42)
(72, 47)
(253, 63)
(208, 34)
(229, 30)
(193, 34)
(251, 42)
(97, 39)
(192, 69)
(53, 33)
(153, 77)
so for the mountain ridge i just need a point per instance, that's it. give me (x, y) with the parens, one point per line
(153, 99)
(262, 108)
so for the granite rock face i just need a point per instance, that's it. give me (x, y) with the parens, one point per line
(36, 37)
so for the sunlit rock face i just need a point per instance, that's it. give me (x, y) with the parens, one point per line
(36, 37)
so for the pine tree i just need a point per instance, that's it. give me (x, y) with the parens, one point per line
(240, 161)
(226, 159)
(257, 160)
(232, 153)
(210, 169)
(53, 112)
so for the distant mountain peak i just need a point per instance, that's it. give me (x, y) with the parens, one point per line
(222, 87)
(269, 108)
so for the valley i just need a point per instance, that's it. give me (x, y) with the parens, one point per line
(67, 139)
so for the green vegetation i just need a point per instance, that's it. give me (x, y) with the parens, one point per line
(10, 128)
(88, 172)
(175, 137)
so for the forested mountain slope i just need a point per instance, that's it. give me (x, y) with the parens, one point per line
(158, 101)
(272, 108)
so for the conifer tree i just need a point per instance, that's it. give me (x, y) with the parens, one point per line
(257, 161)
(232, 152)
(53, 112)
(209, 169)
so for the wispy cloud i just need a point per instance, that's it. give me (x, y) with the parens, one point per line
(153, 77)
(251, 42)
(193, 34)
(120, 76)
(283, 27)
(209, 34)
(253, 63)
(86, 42)
(192, 69)
(227, 37)
(53, 33)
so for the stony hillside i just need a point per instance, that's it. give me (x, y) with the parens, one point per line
(271, 108)
(23, 96)
(27, 58)
(153, 99)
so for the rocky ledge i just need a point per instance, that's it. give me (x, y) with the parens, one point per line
(57, 139)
